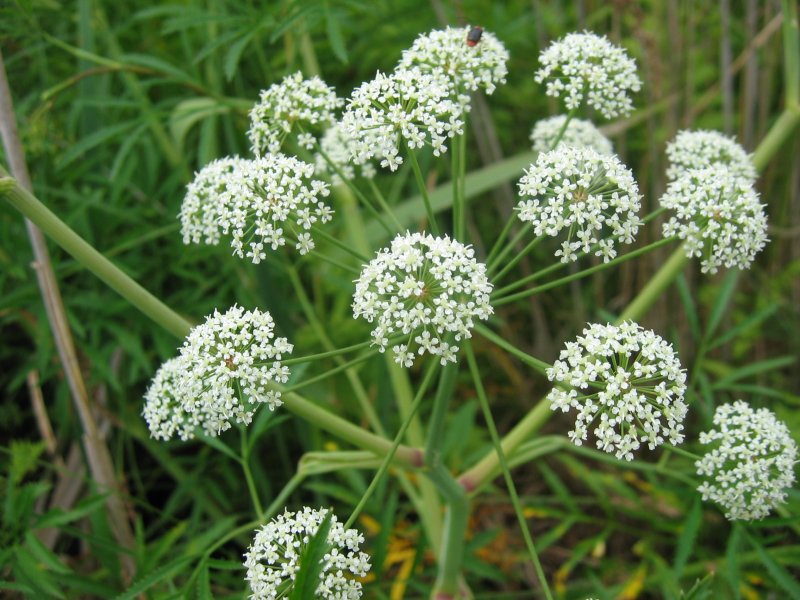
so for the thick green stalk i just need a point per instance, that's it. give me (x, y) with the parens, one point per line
(781, 130)
(456, 518)
(479, 475)
(656, 286)
(345, 430)
(98, 264)
(791, 53)
(512, 489)
(441, 402)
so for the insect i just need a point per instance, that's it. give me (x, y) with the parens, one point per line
(474, 36)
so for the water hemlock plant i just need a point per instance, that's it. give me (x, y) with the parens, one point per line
(314, 202)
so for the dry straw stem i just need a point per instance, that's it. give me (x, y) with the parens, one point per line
(100, 463)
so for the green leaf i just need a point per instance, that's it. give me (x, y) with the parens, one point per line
(57, 517)
(190, 112)
(689, 308)
(781, 576)
(24, 457)
(218, 444)
(755, 368)
(723, 297)
(700, 590)
(334, 32)
(751, 321)
(307, 579)
(732, 572)
(145, 583)
(688, 537)
(234, 55)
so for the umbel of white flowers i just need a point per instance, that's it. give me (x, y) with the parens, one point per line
(262, 203)
(426, 289)
(408, 107)
(718, 216)
(585, 67)
(593, 196)
(625, 383)
(468, 67)
(692, 150)
(222, 374)
(273, 559)
(750, 463)
(294, 103)
(579, 134)
(339, 150)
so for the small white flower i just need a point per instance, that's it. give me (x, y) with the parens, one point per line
(626, 383)
(579, 134)
(164, 401)
(594, 197)
(202, 207)
(224, 372)
(341, 150)
(261, 203)
(293, 102)
(719, 217)
(468, 68)
(426, 288)
(407, 106)
(750, 464)
(587, 67)
(273, 559)
(702, 149)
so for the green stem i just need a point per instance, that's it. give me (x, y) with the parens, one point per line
(580, 274)
(339, 244)
(479, 475)
(331, 372)
(328, 354)
(512, 490)
(656, 286)
(457, 173)
(455, 529)
(512, 263)
(358, 194)
(529, 360)
(509, 247)
(423, 387)
(423, 189)
(680, 451)
(248, 475)
(441, 403)
(345, 430)
(502, 237)
(384, 204)
(563, 129)
(98, 264)
(334, 262)
(791, 53)
(781, 130)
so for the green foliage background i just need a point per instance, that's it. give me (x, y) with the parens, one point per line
(119, 103)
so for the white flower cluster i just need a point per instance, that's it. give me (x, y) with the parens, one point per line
(409, 106)
(468, 67)
(719, 217)
(273, 560)
(223, 372)
(261, 203)
(425, 288)
(340, 149)
(202, 210)
(591, 195)
(579, 133)
(586, 66)
(285, 105)
(702, 149)
(626, 383)
(751, 463)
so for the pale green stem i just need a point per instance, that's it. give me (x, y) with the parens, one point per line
(339, 244)
(529, 360)
(502, 237)
(499, 301)
(656, 286)
(384, 205)
(479, 475)
(509, 247)
(98, 264)
(423, 190)
(512, 490)
(423, 387)
(455, 529)
(328, 354)
(334, 262)
(441, 402)
(248, 475)
(680, 451)
(345, 430)
(512, 263)
(563, 129)
(344, 366)
(319, 329)
(781, 130)
(457, 173)
(791, 53)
